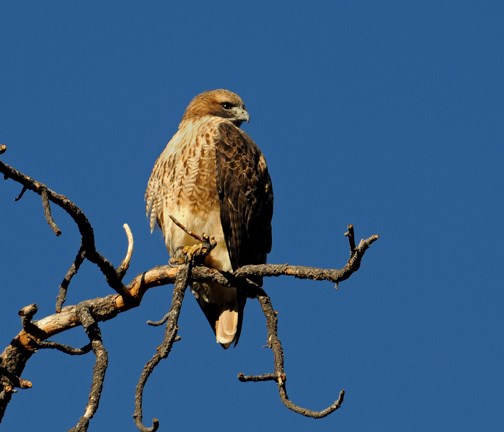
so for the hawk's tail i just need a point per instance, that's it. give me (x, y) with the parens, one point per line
(223, 308)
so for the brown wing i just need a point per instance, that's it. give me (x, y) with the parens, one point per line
(246, 196)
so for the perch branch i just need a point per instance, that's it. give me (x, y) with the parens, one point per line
(305, 272)
(19, 351)
(34, 334)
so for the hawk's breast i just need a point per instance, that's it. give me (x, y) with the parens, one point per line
(189, 189)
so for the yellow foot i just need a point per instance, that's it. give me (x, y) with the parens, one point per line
(199, 249)
(176, 261)
(190, 252)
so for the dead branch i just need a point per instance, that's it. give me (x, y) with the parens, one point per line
(100, 367)
(85, 228)
(124, 266)
(351, 238)
(164, 349)
(279, 375)
(47, 212)
(66, 349)
(72, 271)
(35, 334)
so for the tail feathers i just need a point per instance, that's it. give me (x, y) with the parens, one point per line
(226, 327)
(223, 308)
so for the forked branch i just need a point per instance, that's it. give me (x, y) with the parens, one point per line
(85, 228)
(35, 334)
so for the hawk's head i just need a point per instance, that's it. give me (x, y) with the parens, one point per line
(220, 103)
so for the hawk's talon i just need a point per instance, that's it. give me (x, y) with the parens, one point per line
(176, 261)
(199, 249)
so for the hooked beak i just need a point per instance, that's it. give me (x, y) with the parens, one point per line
(241, 115)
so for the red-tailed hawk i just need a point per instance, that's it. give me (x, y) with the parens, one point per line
(213, 179)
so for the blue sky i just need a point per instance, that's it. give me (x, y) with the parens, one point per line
(387, 115)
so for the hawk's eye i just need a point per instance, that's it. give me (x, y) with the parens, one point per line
(226, 105)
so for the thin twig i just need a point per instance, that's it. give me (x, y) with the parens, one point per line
(351, 238)
(99, 369)
(67, 349)
(124, 266)
(20, 195)
(72, 271)
(85, 228)
(201, 238)
(259, 378)
(164, 349)
(160, 322)
(47, 213)
(276, 346)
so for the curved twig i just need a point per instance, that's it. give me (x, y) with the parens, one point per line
(99, 369)
(274, 343)
(159, 322)
(164, 349)
(124, 266)
(20, 194)
(276, 346)
(279, 374)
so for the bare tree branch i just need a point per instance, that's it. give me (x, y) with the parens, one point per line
(351, 238)
(100, 367)
(85, 228)
(35, 334)
(20, 195)
(47, 212)
(72, 271)
(281, 377)
(164, 349)
(64, 348)
(124, 266)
